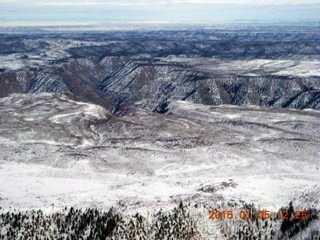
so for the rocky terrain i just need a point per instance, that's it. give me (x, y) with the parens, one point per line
(123, 70)
(138, 134)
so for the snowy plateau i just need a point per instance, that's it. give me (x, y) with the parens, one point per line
(138, 134)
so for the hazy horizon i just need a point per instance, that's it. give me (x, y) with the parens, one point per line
(57, 12)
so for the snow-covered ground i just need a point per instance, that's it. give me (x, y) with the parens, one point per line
(56, 152)
(256, 67)
(54, 50)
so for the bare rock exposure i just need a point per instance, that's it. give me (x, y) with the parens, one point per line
(140, 134)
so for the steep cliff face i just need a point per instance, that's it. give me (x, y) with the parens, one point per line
(77, 76)
(154, 84)
(149, 84)
(274, 91)
(125, 70)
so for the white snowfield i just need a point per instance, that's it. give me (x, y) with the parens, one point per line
(257, 67)
(58, 152)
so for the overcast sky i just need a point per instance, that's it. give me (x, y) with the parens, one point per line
(103, 11)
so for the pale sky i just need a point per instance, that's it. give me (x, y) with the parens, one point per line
(178, 11)
(160, 2)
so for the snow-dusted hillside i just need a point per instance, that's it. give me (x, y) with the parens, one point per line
(125, 70)
(55, 150)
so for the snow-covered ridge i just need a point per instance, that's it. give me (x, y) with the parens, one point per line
(30, 114)
(248, 113)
